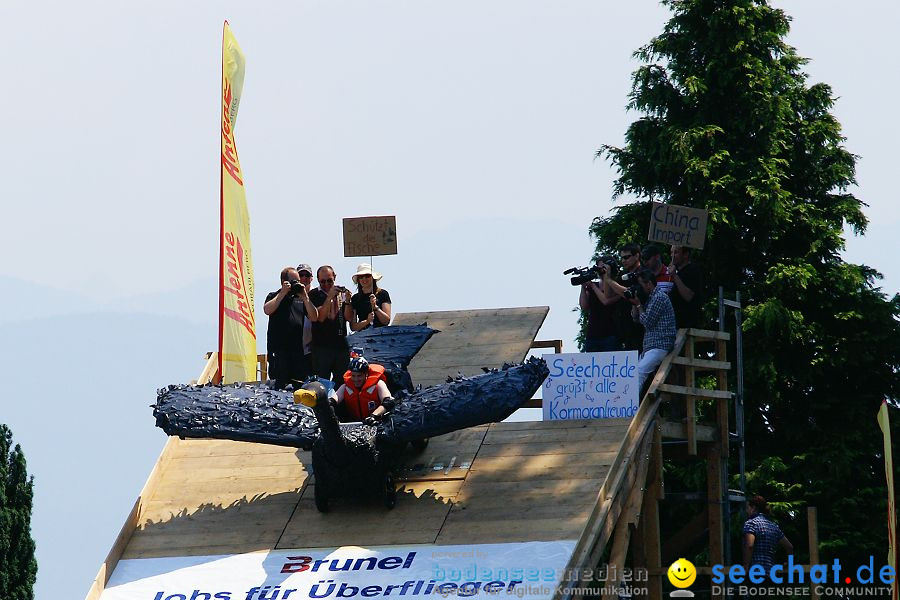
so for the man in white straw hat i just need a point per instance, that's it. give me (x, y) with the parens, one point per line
(370, 306)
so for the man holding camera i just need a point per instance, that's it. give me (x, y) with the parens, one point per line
(330, 351)
(630, 333)
(652, 308)
(602, 331)
(287, 309)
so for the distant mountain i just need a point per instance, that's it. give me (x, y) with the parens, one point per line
(77, 395)
(24, 300)
(196, 302)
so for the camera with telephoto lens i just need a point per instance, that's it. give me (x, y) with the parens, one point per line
(296, 286)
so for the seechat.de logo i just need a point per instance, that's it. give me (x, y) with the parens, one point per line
(682, 574)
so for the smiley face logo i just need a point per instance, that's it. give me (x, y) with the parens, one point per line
(682, 573)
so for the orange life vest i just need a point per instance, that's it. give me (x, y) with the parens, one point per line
(361, 403)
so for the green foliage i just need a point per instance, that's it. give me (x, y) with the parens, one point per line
(18, 567)
(729, 123)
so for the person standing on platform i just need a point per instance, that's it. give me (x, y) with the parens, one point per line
(305, 273)
(651, 258)
(631, 334)
(602, 331)
(687, 280)
(287, 309)
(371, 305)
(330, 351)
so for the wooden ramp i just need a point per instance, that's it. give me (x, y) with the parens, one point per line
(472, 339)
(479, 485)
(593, 481)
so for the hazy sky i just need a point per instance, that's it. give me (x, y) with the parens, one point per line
(475, 123)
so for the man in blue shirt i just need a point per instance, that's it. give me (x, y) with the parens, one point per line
(652, 309)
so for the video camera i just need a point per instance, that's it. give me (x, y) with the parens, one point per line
(586, 274)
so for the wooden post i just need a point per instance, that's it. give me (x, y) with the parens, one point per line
(263, 361)
(210, 370)
(690, 401)
(649, 523)
(813, 529)
(722, 405)
(657, 462)
(621, 539)
(714, 500)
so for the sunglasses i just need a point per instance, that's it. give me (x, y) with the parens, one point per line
(363, 276)
(324, 281)
(305, 274)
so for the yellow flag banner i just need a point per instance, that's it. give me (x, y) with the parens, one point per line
(237, 323)
(885, 424)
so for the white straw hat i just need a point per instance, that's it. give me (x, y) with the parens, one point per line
(365, 269)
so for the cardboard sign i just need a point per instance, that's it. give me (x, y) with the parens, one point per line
(370, 236)
(671, 224)
(591, 385)
(515, 571)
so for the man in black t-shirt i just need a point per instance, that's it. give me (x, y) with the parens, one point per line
(330, 352)
(687, 280)
(287, 309)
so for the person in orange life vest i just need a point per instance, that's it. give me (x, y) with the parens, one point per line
(364, 395)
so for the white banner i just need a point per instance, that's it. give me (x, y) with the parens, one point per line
(520, 570)
(591, 385)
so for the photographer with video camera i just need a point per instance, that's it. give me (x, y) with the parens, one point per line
(287, 309)
(602, 331)
(652, 308)
(630, 333)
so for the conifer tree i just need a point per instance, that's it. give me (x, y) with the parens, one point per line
(18, 567)
(728, 122)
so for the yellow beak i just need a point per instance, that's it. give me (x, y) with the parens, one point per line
(305, 397)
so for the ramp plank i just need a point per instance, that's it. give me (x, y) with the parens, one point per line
(446, 457)
(417, 518)
(219, 495)
(508, 482)
(472, 339)
(533, 481)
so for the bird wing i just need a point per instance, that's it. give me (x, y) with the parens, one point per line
(245, 413)
(465, 402)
